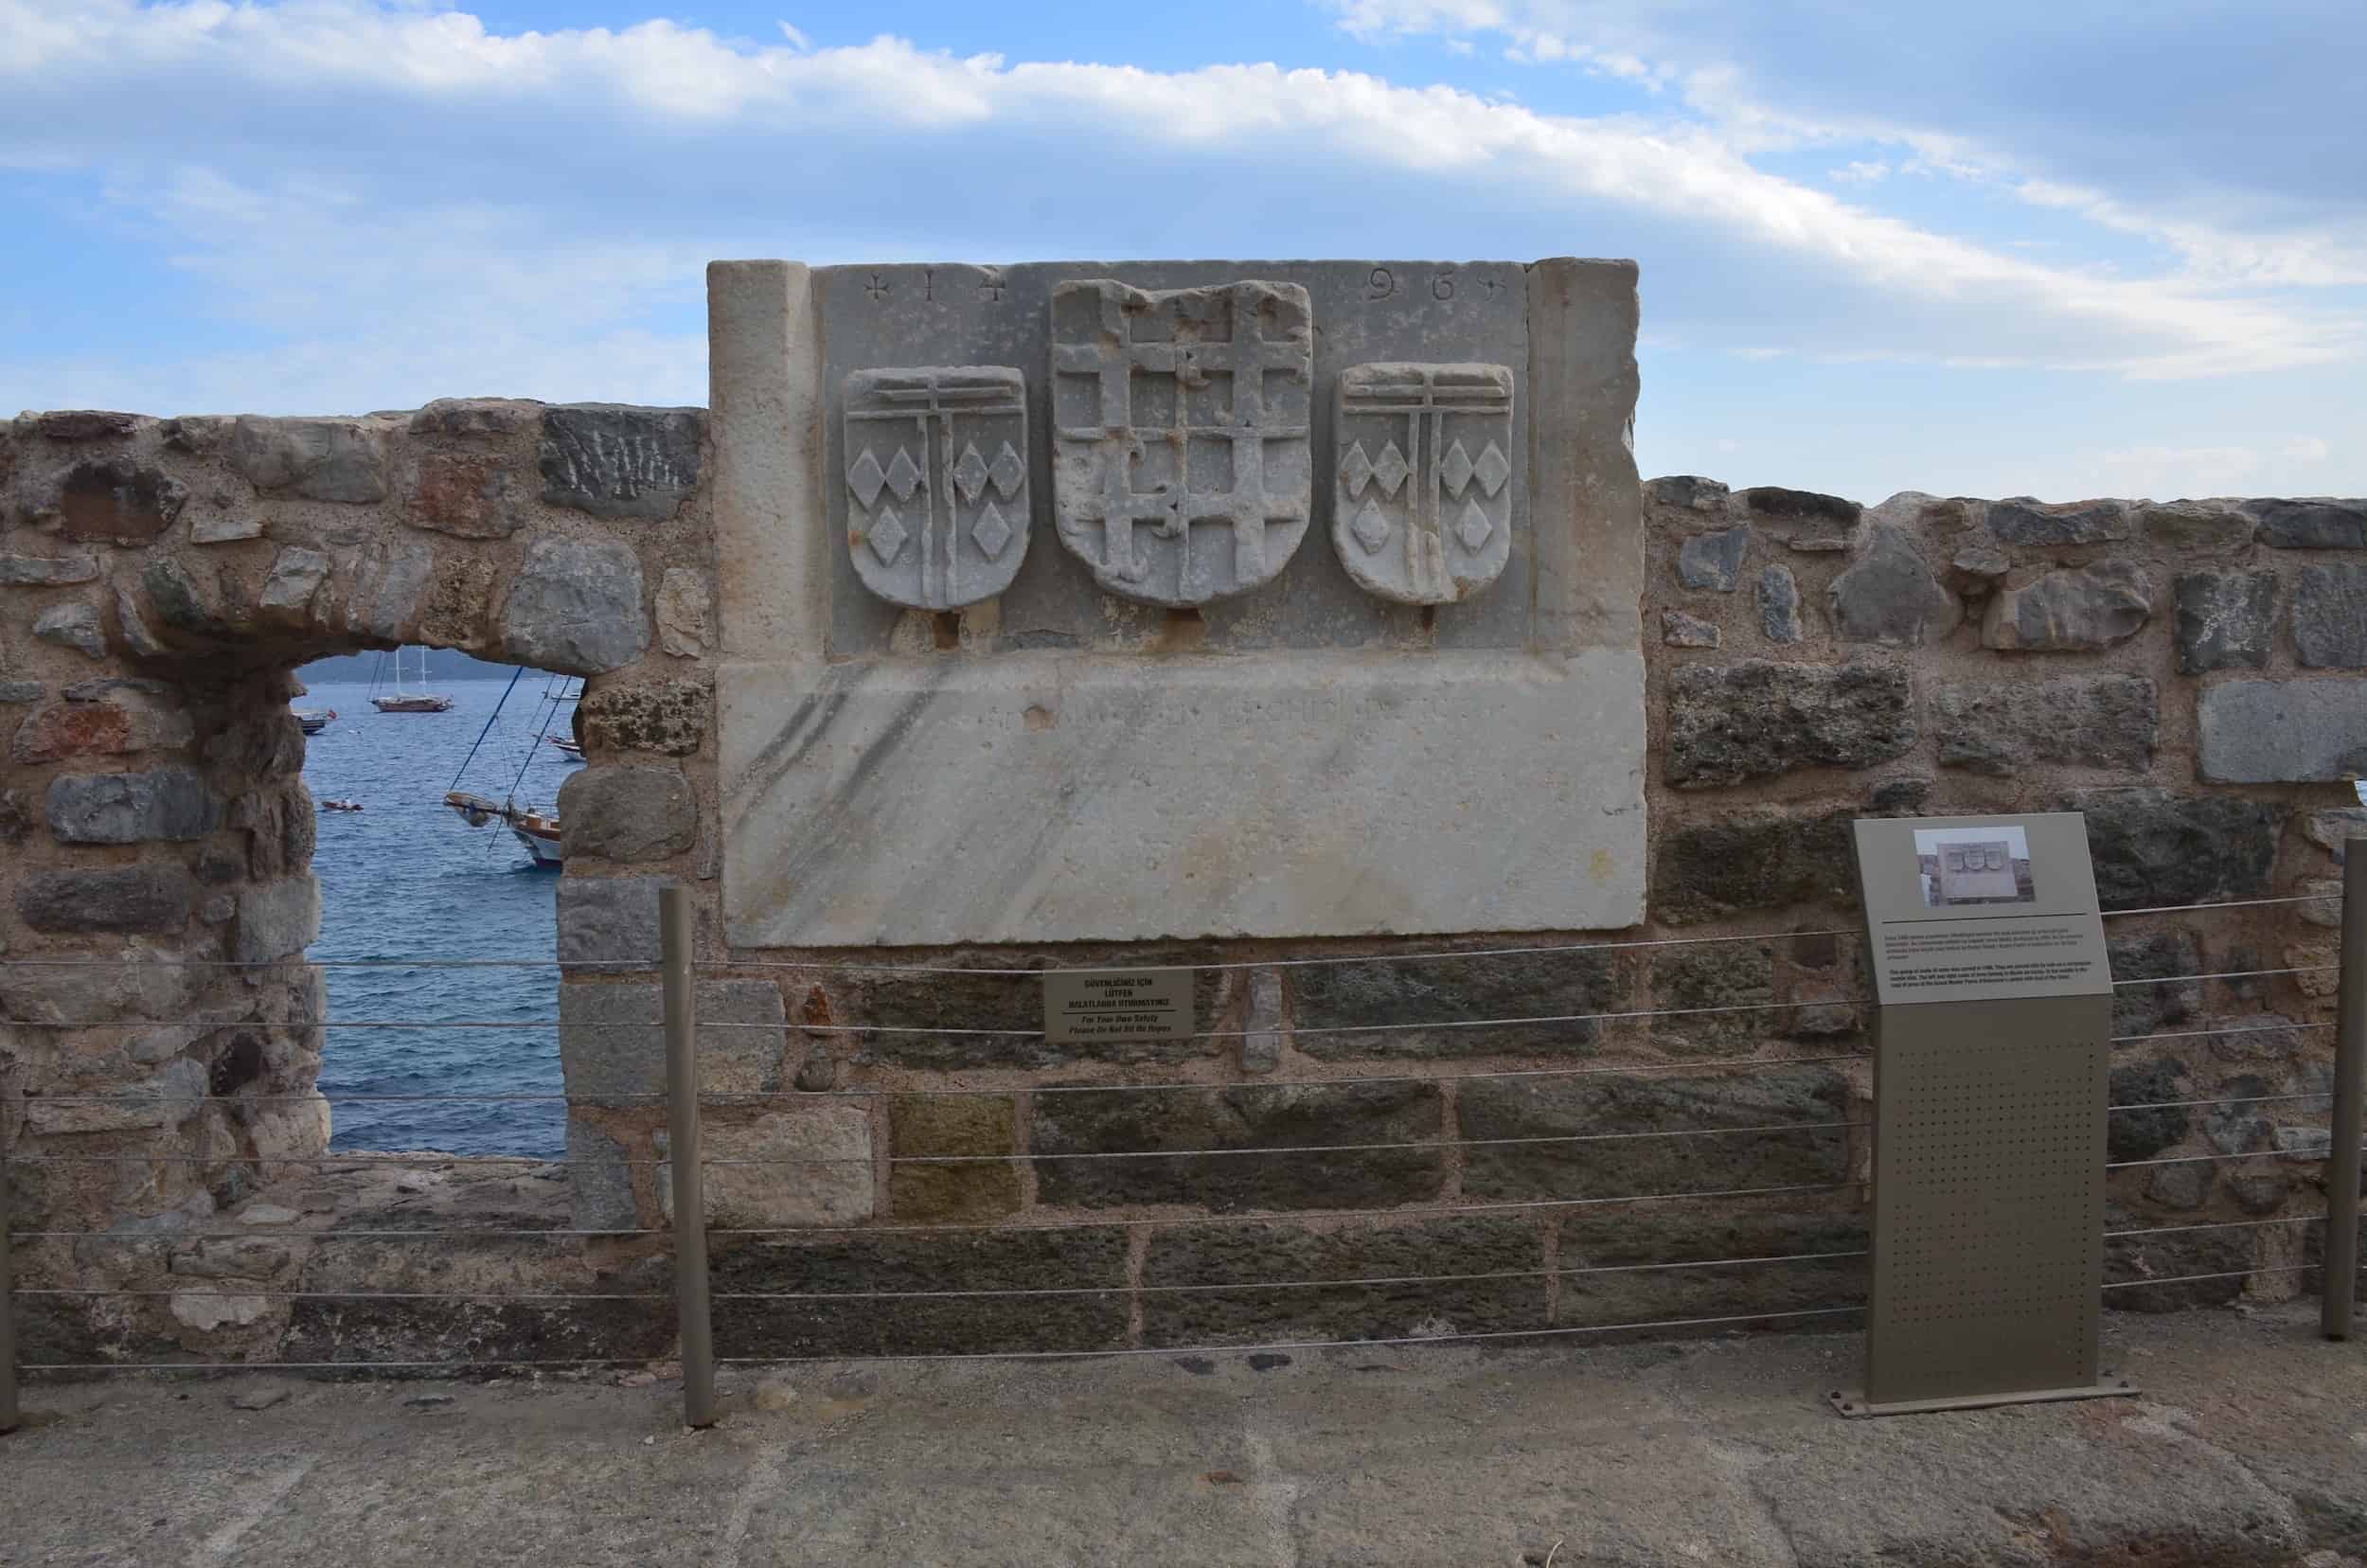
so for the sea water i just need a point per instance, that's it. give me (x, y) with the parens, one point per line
(406, 878)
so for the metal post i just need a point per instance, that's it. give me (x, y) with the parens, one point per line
(681, 1102)
(9, 1413)
(2350, 1081)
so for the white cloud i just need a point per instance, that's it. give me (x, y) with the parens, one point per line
(2307, 448)
(406, 194)
(1860, 171)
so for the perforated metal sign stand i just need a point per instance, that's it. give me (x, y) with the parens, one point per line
(1992, 1044)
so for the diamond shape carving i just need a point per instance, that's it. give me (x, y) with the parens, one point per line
(902, 477)
(1493, 469)
(865, 478)
(1370, 529)
(990, 531)
(970, 473)
(1391, 470)
(1008, 473)
(1355, 470)
(1473, 526)
(888, 536)
(1456, 472)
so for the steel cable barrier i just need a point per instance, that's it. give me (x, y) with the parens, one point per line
(1149, 1223)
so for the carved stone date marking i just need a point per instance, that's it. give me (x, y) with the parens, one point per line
(876, 287)
(991, 286)
(1381, 284)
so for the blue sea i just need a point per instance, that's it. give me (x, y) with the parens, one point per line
(405, 878)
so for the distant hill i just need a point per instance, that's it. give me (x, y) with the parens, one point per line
(443, 664)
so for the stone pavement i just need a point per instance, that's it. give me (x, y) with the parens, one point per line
(2250, 1445)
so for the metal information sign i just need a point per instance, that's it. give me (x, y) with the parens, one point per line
(1992, 1043)
(1110, 1005)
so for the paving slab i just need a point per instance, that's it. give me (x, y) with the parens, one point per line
(2249, 1446)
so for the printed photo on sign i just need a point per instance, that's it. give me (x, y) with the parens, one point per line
(1974, 865)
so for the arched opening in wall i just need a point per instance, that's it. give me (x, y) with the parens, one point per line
(435, 780)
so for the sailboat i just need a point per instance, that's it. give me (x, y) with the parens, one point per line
(532, 825)
(403, 701)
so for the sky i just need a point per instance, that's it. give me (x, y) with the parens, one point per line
(2066, 249)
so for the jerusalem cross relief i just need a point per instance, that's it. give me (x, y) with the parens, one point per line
(936, 472)
(1180, 468)
(1422, 509)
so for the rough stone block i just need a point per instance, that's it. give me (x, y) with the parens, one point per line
(2094, 607)
(2151, 847)
(666, 717)
(976, 1127)
(476, 420)
(2224, 619)
(2024, 520)
(1758, 716)
(116, 500)
(1332, 998)
(167, 804)
(2312, 522)
(682, 609)
(616, 461)
(165, 1098)
(133, 897)
(902, 1012)
(599, 1182)
(809, 1165)
(612, 1041)
(1579, 1109)
(1678, 629)
(607, 922)
(19, 693)
(628, 814)
(575, 607)
(467, 494)
(2165, 957)
(1265, 1116)
(2001, 728)
(2196, 528)
(1889, 593)
(2141, 1133)
(1800, 506)
(2330, 617)
(219, 528)
(2331, 831)
(97, 727)
(276, 919)
(137, 635)
(853, 1266)
(85, 424)
(1714, 560)
(1626, 1245)
(2288, 731)
(2131, 1261)
(76, 626)
(20, 571)
(1728, 974)
(186, 595)
(310, 459)
(1211, 1254)
(1779, 606)
(388, 588)
(1748, 859)
(1688, 490)
(296, 575)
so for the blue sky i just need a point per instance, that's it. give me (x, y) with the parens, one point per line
(2065, 249)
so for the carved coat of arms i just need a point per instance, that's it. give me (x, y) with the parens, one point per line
(1181, 469)
(937, 481)
(1422, 507)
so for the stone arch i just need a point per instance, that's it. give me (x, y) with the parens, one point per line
(160, 581)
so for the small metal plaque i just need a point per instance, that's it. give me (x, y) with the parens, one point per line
(1099, 1005)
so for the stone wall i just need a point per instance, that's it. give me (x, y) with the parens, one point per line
(2184, 673)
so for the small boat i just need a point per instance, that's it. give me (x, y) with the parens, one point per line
(538, 831)
(341, 805)
(403, 701)
(570, 747)
(315, 720)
